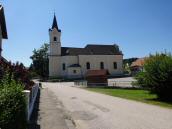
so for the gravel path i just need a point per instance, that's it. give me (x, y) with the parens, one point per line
(91, 110)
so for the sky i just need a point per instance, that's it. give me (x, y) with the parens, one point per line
(139, 27)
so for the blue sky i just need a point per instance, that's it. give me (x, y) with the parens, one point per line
(139, 27)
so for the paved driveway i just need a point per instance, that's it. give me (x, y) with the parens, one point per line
(91, 110)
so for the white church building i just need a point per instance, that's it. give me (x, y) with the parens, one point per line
(71, 62)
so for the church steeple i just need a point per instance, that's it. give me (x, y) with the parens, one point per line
(55, 38)
(54, 25)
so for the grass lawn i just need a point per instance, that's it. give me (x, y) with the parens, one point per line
(133, 94)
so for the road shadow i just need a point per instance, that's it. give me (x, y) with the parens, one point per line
(33, 123)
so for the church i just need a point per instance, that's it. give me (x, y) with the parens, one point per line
(71, 62)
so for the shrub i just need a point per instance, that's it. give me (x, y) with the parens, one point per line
(140, 80)
(19, 72)
(12, 105)
(157, 75)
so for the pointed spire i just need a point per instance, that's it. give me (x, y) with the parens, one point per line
(54, 25)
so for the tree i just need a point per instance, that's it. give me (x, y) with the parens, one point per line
(157, 75)
(40, 61)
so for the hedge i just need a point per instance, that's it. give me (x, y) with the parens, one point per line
(12, 105)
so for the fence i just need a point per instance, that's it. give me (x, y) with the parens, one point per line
(80, 83)
(122, 84)
(30, 99)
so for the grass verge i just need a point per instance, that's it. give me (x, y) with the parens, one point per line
(133, 94)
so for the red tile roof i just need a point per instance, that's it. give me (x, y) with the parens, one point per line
(138, 62)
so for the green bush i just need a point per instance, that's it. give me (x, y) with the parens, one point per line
(157, 75)
(12, 105)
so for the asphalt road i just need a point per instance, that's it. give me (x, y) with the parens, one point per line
(91, 110)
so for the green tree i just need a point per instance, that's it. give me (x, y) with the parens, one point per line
(40, 61)
(157, 75)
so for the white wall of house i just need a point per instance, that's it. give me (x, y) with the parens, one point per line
(108, 61)
(67, 60)
(74, 72)
(55, 46)
(55, 53)
(54, 66)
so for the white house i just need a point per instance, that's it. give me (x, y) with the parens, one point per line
(72, 62)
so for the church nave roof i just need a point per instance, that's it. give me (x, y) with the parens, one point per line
(92, 49)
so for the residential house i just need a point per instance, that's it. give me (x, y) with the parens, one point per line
(137, 66)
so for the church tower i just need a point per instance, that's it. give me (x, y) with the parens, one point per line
(55, 49)
(55, 39)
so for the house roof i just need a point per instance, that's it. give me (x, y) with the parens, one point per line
(103, 49)
(92, 49)
(139, 62)
(3, 23)
(101, 72)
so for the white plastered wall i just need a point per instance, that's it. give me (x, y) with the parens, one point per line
(72, 74)
(67, 60)
(54, 66)
(55, 46)
(55, 53)
(108, 61)
(56, 63)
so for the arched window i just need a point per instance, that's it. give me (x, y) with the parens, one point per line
(101, 65)
(55, 38)
(64, 66)
(88, 65)
(114, 65)
(74, 71)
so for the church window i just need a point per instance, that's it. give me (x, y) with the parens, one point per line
(74, 71)
(64, 66)
(101, 65)
(55, 38)
(88, 65)
(114, 65)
